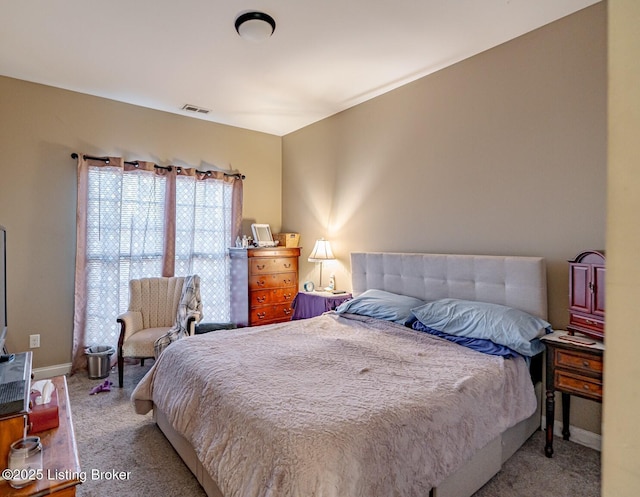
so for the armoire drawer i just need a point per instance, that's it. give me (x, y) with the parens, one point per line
(586, 323)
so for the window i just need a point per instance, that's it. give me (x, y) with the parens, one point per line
(203, 234)
(130, 227)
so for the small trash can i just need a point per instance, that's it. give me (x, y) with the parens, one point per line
(99, 361)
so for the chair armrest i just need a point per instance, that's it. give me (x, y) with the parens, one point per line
(192, 319)
(130, 322)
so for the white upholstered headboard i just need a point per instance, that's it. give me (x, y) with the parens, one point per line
(519, 282)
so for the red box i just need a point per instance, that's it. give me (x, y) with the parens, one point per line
(45, 416)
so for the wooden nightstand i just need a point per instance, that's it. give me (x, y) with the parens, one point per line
(310, 304)
(574, 367)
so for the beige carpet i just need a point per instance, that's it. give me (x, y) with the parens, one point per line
(112, 438)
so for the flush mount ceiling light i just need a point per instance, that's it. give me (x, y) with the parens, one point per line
(255, 26)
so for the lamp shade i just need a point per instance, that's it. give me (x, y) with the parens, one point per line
(321, 251)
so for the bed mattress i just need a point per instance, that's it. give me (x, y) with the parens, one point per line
(333, 407)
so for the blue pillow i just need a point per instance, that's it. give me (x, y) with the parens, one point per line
(381, 305)
(478, 344)
(501, 324)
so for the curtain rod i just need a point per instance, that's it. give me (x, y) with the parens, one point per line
(167, 168)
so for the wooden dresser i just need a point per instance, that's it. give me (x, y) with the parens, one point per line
(264, 282)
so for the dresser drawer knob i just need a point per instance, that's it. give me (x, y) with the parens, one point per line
(261, 299)
(585, 386)
(287, 265)
(287, 282)
(287, 296)
(260, 267)
(586, 364)
(261, 283)
(287, 311)
(261, 315)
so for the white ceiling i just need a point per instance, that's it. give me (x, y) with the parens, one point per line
(324, 57)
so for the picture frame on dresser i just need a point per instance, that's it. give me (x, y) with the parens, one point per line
(262, 235)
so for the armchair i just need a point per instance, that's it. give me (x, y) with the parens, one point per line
(153, 310)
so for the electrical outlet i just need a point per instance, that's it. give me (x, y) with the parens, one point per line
(34, 341)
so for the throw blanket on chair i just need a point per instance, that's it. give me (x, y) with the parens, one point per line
(190, 305)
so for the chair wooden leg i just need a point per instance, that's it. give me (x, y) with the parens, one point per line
(120, 368)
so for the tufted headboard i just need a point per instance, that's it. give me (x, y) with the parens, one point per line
(519, 282)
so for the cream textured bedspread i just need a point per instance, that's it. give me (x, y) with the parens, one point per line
(333, 407)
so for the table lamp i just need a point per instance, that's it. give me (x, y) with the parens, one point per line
(321, 252)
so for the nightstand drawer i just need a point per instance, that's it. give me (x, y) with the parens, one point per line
(578, 385)
(581, 362)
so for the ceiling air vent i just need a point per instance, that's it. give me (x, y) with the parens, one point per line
(195, 108)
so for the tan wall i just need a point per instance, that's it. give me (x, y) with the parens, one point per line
(621, 445)
(39, 128)
(503, 153)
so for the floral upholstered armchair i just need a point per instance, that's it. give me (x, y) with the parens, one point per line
(160, 309)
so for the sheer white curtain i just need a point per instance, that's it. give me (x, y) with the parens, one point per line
(125, 216)
(203, 234)
(135, 220)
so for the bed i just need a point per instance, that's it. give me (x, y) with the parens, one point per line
(368, 429)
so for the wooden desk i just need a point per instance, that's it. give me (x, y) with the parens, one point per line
(574, 367)
(59, 457)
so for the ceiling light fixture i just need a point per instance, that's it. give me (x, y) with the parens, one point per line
(255, 26)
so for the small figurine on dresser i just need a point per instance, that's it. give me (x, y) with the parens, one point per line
(332, 283)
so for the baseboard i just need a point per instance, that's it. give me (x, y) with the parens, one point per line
(578, 435)
(51, 371)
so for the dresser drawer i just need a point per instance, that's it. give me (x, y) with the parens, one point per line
(271, 314)
(276, 265)
(578, 385)
(278, 280)
(586, 323)
(578, 361)
(272, 296)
